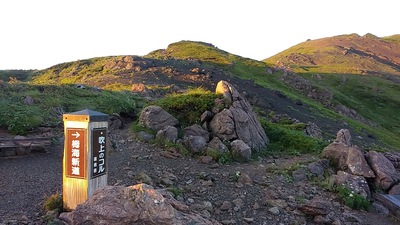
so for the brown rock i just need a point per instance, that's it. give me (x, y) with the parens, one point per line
(349, 159)
(138, 204)
(156, 118)
(343, 136)
(317, 206)
(205, 159)
(386, 174)
(226, 206)
(245, 179)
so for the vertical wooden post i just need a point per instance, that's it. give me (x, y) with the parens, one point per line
(85, 156)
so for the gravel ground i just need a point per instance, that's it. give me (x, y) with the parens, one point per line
(26, 180)
(207, 188)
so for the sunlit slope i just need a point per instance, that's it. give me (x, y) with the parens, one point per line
(346, 54)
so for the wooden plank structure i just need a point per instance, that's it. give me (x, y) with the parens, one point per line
(85, 156)
(20, 145)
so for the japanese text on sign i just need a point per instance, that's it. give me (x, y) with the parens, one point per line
(75, 155)
(99, 152)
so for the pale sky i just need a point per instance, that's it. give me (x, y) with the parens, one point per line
(37, 34)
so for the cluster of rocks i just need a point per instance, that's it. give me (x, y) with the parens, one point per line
(358, 171)
(348, 166)
(231, 125)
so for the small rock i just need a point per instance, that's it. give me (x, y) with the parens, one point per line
(274, 210)
(205, 159)
(245, 179)
(238, 202)
(248, 220)
(208, 206)
(299, 175)
(349, 217)
(226, 206)
(321, 219)
(256, 206)
(190, 200)
(317, 206)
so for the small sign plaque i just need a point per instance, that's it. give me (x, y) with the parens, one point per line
(99, 153)
(75, 155)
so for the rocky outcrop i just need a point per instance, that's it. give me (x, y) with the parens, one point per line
(238, 121)
(346, 157)
(138, 204)
(358, 171)
(156, 118)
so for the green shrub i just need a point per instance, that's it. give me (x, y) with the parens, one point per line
(189, 106)
(175, 191)
(286, 139)
(51, 101)
(53, 202)
(351, 199)
(19, 118)
(223, 158)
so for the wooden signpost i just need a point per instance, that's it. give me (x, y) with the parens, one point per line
(85, 156)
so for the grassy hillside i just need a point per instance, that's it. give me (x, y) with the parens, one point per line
(362, 72)
(344, 54)
(334, 65)
(14, 75)
(24, 107)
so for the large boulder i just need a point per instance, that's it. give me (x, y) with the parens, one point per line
(156, 118)
(386, 174)
(348, 159)
(238, 121)
(138, 204)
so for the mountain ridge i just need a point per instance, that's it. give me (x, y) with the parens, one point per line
(350, 54)
(192, 64)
